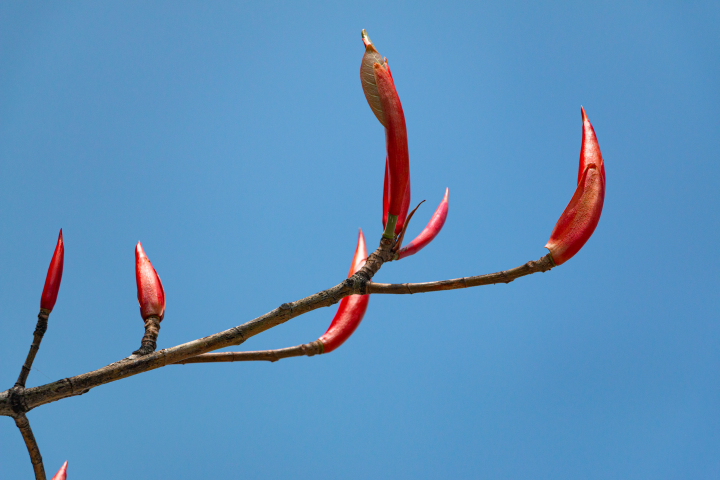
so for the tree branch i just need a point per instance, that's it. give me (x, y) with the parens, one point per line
(24, 426)
(308, 349)
(190, 352)
(38, 334)
(133, 365)
(506, 276)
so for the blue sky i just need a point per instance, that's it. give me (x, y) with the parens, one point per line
(234, 141)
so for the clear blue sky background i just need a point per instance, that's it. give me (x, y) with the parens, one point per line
(235, 142)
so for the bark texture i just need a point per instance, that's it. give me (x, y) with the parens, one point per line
(35, 458)
(38, 334)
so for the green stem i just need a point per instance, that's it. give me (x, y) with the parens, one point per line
(390, 227)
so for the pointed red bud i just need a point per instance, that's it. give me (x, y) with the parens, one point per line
(397, 145)
(430, 231)
(62, 473)
(54, 276)
(577, 223)
(150, 292)
(351, 309)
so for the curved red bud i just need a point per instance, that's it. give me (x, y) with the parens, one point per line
(351, 309)
(150, 292)
(62, 473)
(54, 276)
(577, 223)
(367, 77)
(397, 145)
(429, 232)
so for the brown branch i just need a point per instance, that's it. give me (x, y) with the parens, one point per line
(133, 365)
(542, 265)
(27, 399)
(308, 349)
(24, 426)
(38, 334)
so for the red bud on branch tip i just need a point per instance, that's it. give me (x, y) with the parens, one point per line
(429, 232)
(54, 276)
(62, 473)
(397, 146)
(577, 223)
(367, 77)
(150, 292)
(351, 309)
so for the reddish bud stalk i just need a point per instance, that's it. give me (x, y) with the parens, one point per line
(351, 310)
(62, 473)
(577, 223)
(54, 277)
(429, 232)
(151, 297)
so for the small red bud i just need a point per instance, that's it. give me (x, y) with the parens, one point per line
(351, 310)
(62, 473)
(54, 276)
(150, 293)
(577, 223)
(430, 231)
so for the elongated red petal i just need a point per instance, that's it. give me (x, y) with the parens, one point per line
(396, 143)
(577, 223)
(150, 292)
(367, 77)
(62, 473)
(430, 231)
(351, 309)
(54, 276)
(386, 193)
(405, 205)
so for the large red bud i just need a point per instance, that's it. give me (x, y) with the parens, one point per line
(577, 223)
(396, 142)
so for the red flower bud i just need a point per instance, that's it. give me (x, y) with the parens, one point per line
(150, 293)
(351, 309)
(54, 276)
(429, 232)
(398, 160)
(577, 223)
(62, 473)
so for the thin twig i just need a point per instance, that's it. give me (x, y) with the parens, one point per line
(542, 265)
(306, 350)
(38, 334)
(24, 426)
